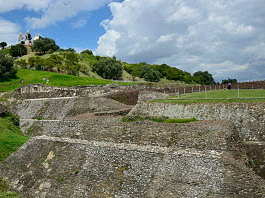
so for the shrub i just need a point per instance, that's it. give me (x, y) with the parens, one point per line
(7, 68)
(108, 68)
(89, 52)
(152, 75)
(37, 63)
(203, 78)
(71, 64)
(45, 45)
(18, 50)
(21, 63)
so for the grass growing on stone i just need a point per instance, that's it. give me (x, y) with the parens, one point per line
(11, 138)
(25, 77)
(157, 119)
(4, 190)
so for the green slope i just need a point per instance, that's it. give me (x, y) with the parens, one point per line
(25, 77)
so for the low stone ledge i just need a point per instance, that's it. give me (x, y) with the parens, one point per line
(249, 118)
(210, 135)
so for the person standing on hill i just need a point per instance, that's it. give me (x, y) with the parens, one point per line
(229, 86)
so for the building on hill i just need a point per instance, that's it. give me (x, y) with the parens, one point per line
(26, 39)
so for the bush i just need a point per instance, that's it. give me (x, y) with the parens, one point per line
(7, 68)
(54, 61)
(89, 52)
(44, 45)
(71, 64)
(21, 63)
(203, 78)
(108, 68)
(37, 63)
(18, 50)
(152, 75)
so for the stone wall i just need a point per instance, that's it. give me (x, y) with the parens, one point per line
(60, 167)
(3, 109)
(209, 135)
(60, 108)
(249, 118)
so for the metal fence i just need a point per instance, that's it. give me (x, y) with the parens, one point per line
(238, 89)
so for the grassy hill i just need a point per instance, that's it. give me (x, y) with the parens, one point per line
(25, 77)
(85, 60)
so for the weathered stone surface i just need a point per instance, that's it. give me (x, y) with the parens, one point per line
(60, 108)
(213, 135)
(3, 108)
(55, 167)
(248, 117)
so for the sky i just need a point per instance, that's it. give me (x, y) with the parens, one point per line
(226, 38)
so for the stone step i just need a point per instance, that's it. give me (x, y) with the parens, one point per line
(59, 167)
(213, 135)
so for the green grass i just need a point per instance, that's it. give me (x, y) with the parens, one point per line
(157, 119)
(220, 96)
(194, 101)
(4, 190)
(25, 77)
(225, 94)
(11, 138)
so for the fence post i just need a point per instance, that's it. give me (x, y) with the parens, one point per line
(205, 88)
(184, 90)
(192, 90)
(199, 89)
(238, 91)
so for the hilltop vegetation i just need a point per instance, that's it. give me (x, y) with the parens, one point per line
(45, 55)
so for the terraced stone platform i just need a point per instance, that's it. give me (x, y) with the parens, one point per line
(60, 108)
(56, 167)
(213, 135)
(79, 147)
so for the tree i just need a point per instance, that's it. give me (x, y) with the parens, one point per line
(7, 69)
(18, 50)
(152, 75)
(21, 63)
(54, 61)
(89, 52)
(45, 45)
(37, 63)
(108, 68)
(71, 64)
(203, 78)
(3, 45)
(233, 81)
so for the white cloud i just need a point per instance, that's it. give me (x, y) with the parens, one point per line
(51, 11)
(79, 23)
(27, 4)
(59, 10)
(8, 31)
(224, 37)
